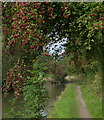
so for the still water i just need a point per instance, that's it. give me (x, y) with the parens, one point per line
(54, 90)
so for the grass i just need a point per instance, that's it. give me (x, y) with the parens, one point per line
(94, 103)
(65, 107)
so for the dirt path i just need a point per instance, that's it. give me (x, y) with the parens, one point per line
(82, 110)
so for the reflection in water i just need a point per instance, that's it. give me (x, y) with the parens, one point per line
(7, 103)
(54, 91)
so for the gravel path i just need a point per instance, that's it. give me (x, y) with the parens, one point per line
(83, 112)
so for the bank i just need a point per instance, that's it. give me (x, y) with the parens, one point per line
(93, 102)
(67, 107)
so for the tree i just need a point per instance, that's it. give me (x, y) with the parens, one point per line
(27, 27)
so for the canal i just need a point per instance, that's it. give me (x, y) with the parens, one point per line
(54, 90)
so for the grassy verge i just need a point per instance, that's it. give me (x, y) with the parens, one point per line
(65, 107)
(94, 103)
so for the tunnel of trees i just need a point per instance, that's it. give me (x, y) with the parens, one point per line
(28, 27)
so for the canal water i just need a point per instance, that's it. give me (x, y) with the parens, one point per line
(54, 90)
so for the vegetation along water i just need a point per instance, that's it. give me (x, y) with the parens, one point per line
(56, 50)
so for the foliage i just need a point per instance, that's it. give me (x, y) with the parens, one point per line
(15, 78)
(93, 78)
(34, 95)
(32, 24)
(23, 38)
(68, 65)
(34, 92)
(29, 26)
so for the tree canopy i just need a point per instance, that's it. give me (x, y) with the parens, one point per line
(29, 26)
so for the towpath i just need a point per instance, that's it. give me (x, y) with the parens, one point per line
(82, 109)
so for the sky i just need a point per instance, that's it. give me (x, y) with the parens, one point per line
(52, 47)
